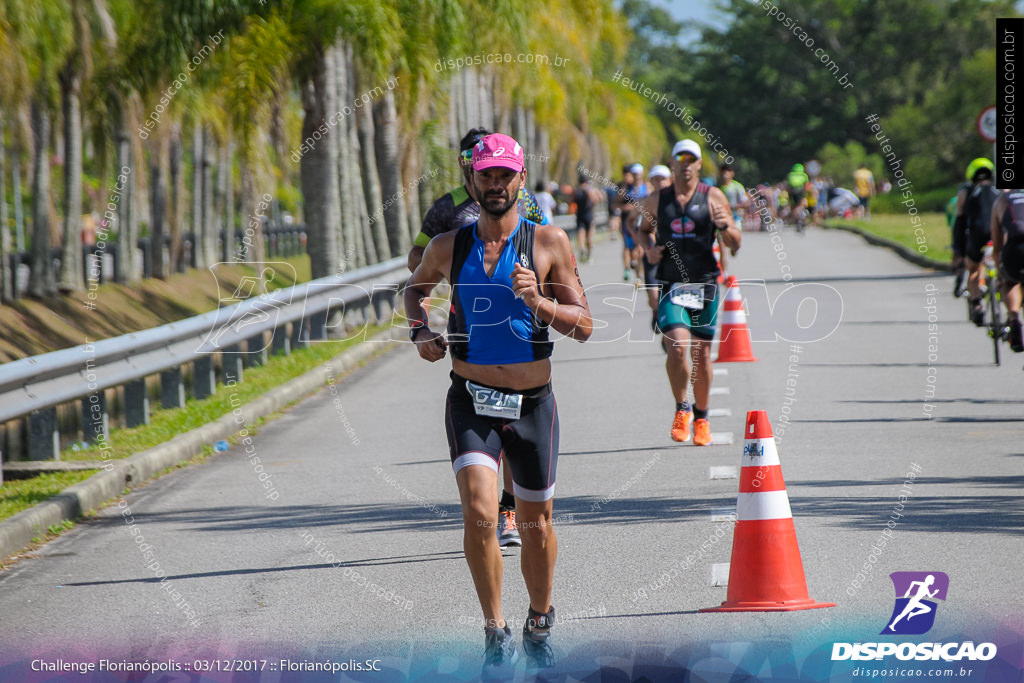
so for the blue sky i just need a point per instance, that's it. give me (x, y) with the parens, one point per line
(690, 10)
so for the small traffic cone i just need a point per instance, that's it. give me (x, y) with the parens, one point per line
(734, 344)
(765, 573)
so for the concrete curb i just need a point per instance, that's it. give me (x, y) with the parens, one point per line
(17, 532)
(906, 253)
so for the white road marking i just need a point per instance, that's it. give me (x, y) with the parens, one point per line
(723, 472)
(720, 574)
(721, 438)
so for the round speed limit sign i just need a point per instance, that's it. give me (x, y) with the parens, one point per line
(987, 124)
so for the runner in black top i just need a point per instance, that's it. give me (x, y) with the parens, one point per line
(586, 197)
(678, 230)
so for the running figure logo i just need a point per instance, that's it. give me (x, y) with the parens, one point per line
(914, 612)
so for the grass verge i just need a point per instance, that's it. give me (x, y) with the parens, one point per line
(20, 494)
(897, 227)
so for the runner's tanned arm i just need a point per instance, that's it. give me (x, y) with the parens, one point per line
(560, 301)
(434, 267)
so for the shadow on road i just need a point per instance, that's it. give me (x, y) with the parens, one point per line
(450, 555)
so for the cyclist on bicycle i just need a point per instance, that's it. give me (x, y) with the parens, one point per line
(973, 215)
(796, 180)
(1008, 253)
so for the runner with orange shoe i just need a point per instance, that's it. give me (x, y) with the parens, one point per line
(678, 232)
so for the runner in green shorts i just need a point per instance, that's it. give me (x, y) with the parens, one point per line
(678, 232)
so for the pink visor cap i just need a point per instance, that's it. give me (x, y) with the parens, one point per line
(497, 150)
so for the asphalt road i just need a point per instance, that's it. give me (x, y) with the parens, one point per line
(355, 549)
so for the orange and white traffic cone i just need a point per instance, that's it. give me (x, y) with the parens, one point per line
(735, 336)
(765, 573)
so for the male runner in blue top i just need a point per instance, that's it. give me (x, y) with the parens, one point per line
(452, 211)
(511, 280)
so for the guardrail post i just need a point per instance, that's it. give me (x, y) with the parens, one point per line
(318, 326)
(280, 343)
(203, 379)
(136, 403)
(300, 337)
(172, 388)
(95, 419)
(43, 439)
(231, 363)
(256, 350)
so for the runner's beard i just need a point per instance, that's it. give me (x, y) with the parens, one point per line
(494, 209)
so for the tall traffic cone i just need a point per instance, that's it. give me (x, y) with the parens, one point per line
(766, 573)
(734, 344)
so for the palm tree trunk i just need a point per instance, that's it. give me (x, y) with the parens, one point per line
(71, 253)
(349, 254)
(197, 193)
(40, 282)
(5, 231)
(120, 223)
(371, 182)
(209, 223)
(136, 164)
(319, 168)
(364, 250)
(225, 203)
(19, 222)
(389, 166)
(176, 212)
(158, 213)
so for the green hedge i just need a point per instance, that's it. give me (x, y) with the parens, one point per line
(925, 201)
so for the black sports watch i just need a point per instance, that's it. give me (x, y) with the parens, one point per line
(415, 327)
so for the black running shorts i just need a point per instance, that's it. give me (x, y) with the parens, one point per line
(1011, 261)
(975, 247)
(530, 443)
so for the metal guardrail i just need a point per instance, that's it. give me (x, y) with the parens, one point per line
(36, 386)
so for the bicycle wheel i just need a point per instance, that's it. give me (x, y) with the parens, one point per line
(995, 324)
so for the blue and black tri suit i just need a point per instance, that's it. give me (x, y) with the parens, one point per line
(488, 325)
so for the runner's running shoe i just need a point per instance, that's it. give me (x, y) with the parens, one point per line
(701, 433)
(959, 283)
(681, 425)
(1016, 338)
(536, 632)
(508, 534)
(978, 313)
(499, 652)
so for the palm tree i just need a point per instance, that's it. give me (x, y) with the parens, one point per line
(14, 75)
(43, 33)
(77, 68)
(254, 76)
